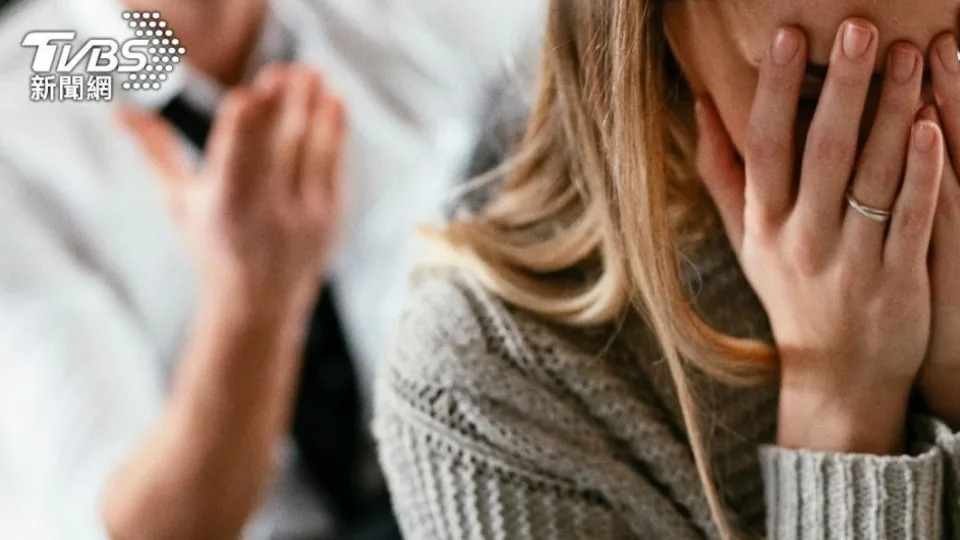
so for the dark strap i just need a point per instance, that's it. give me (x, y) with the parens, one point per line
(326, 418)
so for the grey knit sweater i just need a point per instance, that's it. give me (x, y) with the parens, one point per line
(494, 424)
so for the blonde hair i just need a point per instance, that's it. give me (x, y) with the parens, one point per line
(603, 187)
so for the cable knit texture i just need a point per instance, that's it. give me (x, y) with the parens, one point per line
(493, 423)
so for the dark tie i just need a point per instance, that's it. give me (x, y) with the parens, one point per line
(326, 418)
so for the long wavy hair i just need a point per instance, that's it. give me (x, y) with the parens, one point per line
(603, 186)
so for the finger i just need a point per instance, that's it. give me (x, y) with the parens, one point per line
(238, 154)
(946, 224)
(322, 163)
(272, 77)
(913, 214)
(721, 169)
(831, 144)
(882, 163)
(159, 141)
(770, 148)
(945, 76)
(296, 111)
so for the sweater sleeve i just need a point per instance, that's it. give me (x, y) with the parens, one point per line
(834, 495)
(948, 441)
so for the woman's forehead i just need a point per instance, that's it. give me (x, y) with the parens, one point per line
(753, 22)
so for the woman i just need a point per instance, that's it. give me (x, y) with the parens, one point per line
(595, 358)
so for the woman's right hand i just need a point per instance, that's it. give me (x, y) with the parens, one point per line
(848, 298)
(261, 215)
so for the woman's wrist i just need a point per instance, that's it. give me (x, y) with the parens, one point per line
(939, 390)
(842, 416)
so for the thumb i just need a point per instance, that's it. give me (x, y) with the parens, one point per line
(159, 141)
(721, 168)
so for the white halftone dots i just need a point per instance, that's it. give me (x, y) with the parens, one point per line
(163, 49)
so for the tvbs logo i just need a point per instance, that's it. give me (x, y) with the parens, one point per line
(143, 62)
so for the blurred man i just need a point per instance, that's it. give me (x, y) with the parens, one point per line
(122, 391)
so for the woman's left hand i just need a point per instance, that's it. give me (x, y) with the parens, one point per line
(939, 382)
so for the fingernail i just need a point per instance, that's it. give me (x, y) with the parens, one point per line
(903, 64)
(856, 40)
(785, 46)
(948, 54)
(924, 136)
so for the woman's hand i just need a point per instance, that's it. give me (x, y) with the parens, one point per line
(940, 378)
(848, 298)
(261, 216)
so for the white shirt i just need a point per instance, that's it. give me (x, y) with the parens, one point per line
(96, 290)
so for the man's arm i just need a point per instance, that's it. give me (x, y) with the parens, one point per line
(259, 219)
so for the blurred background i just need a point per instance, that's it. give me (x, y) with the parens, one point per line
(98, 295)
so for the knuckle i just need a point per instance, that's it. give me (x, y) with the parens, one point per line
(850, 276)
(241, 106)
(828, 148)
(848, 80)
(900, 102)
(764, 145)
(905, 287)
(913, 223)
(877, 174)
(273, 73)
(805, 255)
(761, 221)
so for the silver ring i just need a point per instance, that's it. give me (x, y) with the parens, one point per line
(873, 214)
